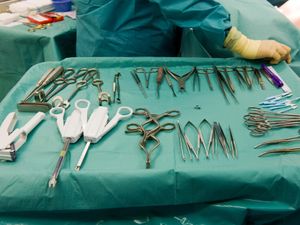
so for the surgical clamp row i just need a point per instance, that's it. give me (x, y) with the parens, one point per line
(259, 121)
(216, 133)
(222, 73)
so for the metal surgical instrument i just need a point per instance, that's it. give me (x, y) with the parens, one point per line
(138, 82)
(181, 79)
(222, 82)
(102, 96)
(146, 75)
(234, 151)
(279, 141)
(116, 89)
(206, 74)
(46, 79)
(259, 78)
(181, 140)
(203, 122)
(59, 102)
(259, 121)
(147, 136)
(97, 126)
(154, 118)
(196, 81)
(169, 82)
(152, 121)
(281, 150)
(222, 138)
(159, 79)
(189, 144)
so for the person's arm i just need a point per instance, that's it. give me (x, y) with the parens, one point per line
(210, 19)
(271, 50)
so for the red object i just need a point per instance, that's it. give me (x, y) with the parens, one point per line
(54, 16)
(39, 19)
(44, 18)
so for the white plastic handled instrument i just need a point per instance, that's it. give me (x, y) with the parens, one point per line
(70, 131)
(97, 127)
(12, 140)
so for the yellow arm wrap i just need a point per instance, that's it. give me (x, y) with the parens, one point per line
(240, 44)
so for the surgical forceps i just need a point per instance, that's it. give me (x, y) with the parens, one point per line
(279, 141)
(138, 82)
(222, 138)
(181, 140)
(181, 79)
(259, 121)
(222, 82)
(169, 82)
(206, 74)
(147, 136)
(146, 75)
(280, 150)
(188, 143)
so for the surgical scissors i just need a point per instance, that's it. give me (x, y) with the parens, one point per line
(181, 79)
(63, 81)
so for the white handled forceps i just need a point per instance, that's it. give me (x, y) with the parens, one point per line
(12, 140)
(97, 126)
(70, 131)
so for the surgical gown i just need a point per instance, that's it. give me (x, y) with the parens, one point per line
(146, 27)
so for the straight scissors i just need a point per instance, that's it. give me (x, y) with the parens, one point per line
(147, 136)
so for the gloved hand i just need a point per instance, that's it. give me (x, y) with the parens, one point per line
(257, 49)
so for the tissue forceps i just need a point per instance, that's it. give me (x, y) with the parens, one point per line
(181, 79)
(279, 141)
(222, 82)
(149, 135)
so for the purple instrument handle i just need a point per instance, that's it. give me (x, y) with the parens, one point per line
(276, 80)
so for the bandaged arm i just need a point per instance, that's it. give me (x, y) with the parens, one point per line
(256, 49)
